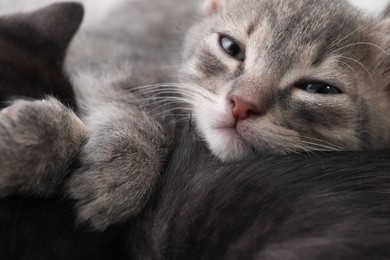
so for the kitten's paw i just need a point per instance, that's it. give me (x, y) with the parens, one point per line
(120, 166)
(38, 141)
(102, 202)
(109, 194)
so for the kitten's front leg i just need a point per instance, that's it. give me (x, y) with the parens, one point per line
(38, 142)
(120, 165)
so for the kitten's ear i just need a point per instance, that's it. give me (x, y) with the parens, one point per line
(47, 31)
(212, 6)
(382, 62)
(386, 13)
(383, 28)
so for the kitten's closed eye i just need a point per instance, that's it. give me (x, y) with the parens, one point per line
(231, 47)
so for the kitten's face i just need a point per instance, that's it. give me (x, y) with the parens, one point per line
(287, 76)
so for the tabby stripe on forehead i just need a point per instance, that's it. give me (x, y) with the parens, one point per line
(251, 29)
(209, 64)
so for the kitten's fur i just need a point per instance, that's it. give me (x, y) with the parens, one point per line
(33, 49)
(286, 42)
(39, 139)
(31, 227)
(44, 229)
(322, 206)
(131, 131)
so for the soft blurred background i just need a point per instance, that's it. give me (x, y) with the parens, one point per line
(96, 9)
(371, 6)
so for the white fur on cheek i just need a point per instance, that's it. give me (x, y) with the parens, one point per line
(212, 119)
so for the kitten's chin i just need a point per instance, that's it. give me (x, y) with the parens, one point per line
(227, 144)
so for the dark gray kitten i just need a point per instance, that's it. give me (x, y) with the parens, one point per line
(33, 47)
(322, 206)
(284, 207)
(39, 139)
(274, 76)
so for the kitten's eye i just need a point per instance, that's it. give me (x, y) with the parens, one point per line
(319, 88)
(231, 48)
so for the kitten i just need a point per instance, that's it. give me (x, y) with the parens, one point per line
(31, 227)
(322, 206)
(326, 206)
(290, 77)
(39, 139)
(271, 76)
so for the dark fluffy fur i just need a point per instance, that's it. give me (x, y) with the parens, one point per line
(317, 206)
(33, 46)
(39, 139)
(44, 229)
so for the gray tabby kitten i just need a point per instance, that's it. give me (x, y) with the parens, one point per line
(291, 76)
(276, 76)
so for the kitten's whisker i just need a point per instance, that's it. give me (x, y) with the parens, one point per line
(191, 102)
(321, 147)
(172, 104)
(170, 109)
(184, 90)
(152, 99)
(364, 67)
(311, 144)
(159, 106)
(342, 39)
(348, 66)
(321, 141)
(299, 149)
(361, 43)
(149, 87)
(171, 112)
(160, 86)
(154, 88)
(160, 100)
(184, 97)
(200, 91)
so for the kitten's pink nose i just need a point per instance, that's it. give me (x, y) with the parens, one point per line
(243, 109)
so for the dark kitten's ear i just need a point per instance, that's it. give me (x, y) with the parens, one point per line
(47, 31)
(212, 6)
